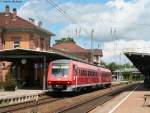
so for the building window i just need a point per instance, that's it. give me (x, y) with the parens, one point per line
(36, 43)
(16, 43)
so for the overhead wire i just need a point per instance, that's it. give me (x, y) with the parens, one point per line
(54, 4)
(65, 14)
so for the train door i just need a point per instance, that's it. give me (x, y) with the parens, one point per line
(75, 74)
(99, 76)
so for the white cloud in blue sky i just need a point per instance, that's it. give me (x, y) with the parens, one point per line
(126, 21)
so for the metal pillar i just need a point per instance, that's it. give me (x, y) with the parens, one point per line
(1, 72)
(44, 73)
(92, 45)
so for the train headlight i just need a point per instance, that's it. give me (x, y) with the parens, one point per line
(68, 82)
(49, 82)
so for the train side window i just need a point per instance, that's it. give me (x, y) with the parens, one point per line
(75, 70)
(80, 72)
(83, 72)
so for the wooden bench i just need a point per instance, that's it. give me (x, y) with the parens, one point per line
(146, 98)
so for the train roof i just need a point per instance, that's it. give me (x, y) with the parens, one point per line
(68, 60)
(61, 61)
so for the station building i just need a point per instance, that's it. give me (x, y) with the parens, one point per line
(16, 32)
(85, 54)
(118, 74)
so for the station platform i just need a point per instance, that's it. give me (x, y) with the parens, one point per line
(19, 96)
(131, 101)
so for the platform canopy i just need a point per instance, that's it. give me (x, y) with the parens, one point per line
(18, 54)
(141, 61)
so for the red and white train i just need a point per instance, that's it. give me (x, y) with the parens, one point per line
(69, 75)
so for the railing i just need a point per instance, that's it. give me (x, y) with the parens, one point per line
(19, 99)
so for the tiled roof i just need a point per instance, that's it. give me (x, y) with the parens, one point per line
(73, 48)
(7, 21)
(70, 47)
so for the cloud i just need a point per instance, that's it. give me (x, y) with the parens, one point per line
(113, 51)
(117, 15)
(121, 21)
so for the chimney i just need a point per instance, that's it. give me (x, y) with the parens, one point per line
(40, 23)
(14, 13)
(7, 10)
(32, 20)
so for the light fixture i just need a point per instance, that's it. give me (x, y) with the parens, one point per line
(23, 61)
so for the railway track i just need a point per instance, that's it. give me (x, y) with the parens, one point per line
(70, 107)
(90, 104)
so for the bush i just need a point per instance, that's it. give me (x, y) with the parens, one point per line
(10, 82)
(1, 84)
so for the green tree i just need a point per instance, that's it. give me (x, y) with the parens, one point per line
(127, 65)
(127, 75)
(103, 63)
(112, 66)
(10, 82)
(65, 39)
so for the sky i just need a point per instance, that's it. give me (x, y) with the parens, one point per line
(118, 25)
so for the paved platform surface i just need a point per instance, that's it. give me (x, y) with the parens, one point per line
(127, 102)
(19, 93)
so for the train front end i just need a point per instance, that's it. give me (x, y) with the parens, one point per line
(59, 78)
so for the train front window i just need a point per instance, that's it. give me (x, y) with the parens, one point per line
(60, 69)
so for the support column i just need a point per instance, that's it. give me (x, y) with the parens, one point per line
(1, 45)
(1, 72)
(44, 73)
